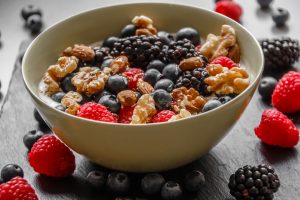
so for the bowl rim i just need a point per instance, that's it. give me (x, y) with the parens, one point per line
(189, 6)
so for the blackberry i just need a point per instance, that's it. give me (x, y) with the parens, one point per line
(251, 182)
(179, 50)
(140, 50)
(280, 53)
(194, 79)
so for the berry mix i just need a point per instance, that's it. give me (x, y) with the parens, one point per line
(147, 76)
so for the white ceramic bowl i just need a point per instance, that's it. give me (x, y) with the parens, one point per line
(138, 148)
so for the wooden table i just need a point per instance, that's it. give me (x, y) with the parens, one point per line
(240, 147)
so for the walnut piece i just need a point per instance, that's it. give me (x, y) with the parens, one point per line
(81, 51)
(183, 113)
(144, 110)
(144, 25)
(127, 97)
(191, 63)
(225, 81)
(119, 64)
(89, 80)
(71, 102)
(188, 99)
(223, 45)
(65, 65)
(51, 85)
(144, 87)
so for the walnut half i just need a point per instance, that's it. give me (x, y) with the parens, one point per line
(144, 110)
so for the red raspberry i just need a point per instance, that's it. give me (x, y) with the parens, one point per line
(49, 156)
(225, 62)
(17, 188)
(277, 129)
(229, 9)
(95, 111)
(133, 75)
(286, 96)
(162, 116)
(125, 114)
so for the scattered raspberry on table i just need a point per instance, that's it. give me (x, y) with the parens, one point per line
(229, 9)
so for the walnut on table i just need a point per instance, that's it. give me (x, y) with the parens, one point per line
(71, 102)
(89, 80)
(144, 25)
(65, 65)
(188, 99)
(225, 81)
(81, 51)
(144, 110)
(223, 45)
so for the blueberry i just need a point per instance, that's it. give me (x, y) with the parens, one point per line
(194, 181)
(211, 104)
(66, 84)
(266, 87)
(10, 171)
(58, 96)
(151, 183)
(224, 99)
(280, 16)
(156, 64)
(38, 117)
(109, 42)
(162, 99)
(1, 181)
(118, 182)
(34, 23)
(111, 102)
(164, 84)
(31, 137)
(106, 63)
(172, 72)
(171, 191)
(116, 83)
(264, 4)
(152, 76)
(128, 30)
(96, 97)
(29, 10)
(60, 107)
(96, 179)
(190, 34)
(165, 37)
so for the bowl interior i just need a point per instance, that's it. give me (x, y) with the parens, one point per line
(96, 25)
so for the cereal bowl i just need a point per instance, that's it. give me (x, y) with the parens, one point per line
(145, 147)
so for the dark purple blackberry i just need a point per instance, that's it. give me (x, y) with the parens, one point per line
(280, 53)
(140, 50)
(179, 50)
(194, 79)
(255, 183)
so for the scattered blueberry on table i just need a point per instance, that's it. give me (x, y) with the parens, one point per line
(280, 16)
(31, 137)
(10, 171)
(96, 179)
(32, 16)
(264, 4)
(266, 87)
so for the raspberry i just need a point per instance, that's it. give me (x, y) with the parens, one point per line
(277, 129)
(17, 188)
(133, 75)
(225, 62)
(162, 116)
(125, 115)
(286, 96)
(95, 111)
(49, 156)
(229, 9)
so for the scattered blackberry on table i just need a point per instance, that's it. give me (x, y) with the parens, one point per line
(57, 96)
(280, 53)
(10, 171)
(190, 34)
(60, 107)
(251, 182)
(179, 50)
(152, 76)
(162, 99)
(172, 72)
(171, 191)
(194, 79)
(156, 64)
(194, 181)
(109, 42)
(29, 10)
(280, 16)
(31, 137)
(118, 182)
(210, 105)
(34, 23)
(128, 30)
(151, 184)
(266, 87)
(264, 4)
(116, 83)
(165, 37)
(66, 84)
(111, 103)
(96, 179)
(165, 84)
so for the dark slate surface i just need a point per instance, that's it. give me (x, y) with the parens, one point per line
(239, 148)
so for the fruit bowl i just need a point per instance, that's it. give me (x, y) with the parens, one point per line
(149, 147)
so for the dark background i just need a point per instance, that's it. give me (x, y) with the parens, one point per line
(240, 147)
